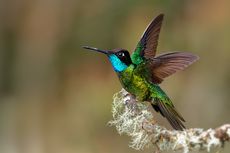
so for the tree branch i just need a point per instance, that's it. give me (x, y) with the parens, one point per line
(135, 120)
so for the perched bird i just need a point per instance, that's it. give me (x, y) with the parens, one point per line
(141, 73)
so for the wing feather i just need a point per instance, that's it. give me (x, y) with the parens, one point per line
(146, 48)
(167, 64)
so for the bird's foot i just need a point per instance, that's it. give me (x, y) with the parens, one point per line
(130, 101)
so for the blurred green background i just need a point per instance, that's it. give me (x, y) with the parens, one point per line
(55, 97)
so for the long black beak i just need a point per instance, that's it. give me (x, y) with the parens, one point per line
(96, 49)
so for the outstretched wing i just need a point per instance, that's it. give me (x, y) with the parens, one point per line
(146, 48)
(167, 64)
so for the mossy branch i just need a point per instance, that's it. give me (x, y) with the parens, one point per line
(135, 120)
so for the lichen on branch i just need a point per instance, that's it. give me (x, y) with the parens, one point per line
(134, 119)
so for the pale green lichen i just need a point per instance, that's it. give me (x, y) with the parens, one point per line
(130, 121)
(134, 119)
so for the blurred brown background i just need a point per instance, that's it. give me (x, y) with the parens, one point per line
(56, 97)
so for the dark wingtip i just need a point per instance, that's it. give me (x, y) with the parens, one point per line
(194, 58)
(160, 16)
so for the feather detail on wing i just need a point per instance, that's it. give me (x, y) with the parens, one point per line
(165, 65)
(146, 48)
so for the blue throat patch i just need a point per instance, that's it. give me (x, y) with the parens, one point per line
(117, 64)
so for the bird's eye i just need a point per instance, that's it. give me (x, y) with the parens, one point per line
(121, 54)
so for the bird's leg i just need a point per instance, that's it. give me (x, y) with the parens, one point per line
(130, 101)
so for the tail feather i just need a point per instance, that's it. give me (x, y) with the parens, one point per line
(177, 114)
(169, 112)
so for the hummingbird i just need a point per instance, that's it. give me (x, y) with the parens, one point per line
(141, 73)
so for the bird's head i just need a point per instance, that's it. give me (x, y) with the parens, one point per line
(119, 58)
